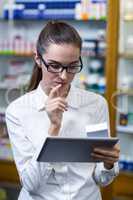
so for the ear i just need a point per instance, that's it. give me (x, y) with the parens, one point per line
(36, 58)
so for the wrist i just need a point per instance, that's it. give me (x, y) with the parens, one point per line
(54, 129)
(108, 166)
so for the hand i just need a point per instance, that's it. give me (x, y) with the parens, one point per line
(55, 106)
(107, 155)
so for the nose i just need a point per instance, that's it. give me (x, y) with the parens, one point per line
(64, 75)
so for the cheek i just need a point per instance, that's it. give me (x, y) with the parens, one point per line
(48, 77)
(71, 77)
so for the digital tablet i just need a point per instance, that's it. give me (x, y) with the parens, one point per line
(60, 149)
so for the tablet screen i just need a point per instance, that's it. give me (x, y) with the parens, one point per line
(60, 149)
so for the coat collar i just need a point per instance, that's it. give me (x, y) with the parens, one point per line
(41, 97)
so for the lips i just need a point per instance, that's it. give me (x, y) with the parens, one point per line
(62, 83)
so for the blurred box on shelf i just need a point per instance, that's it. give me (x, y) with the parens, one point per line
(128, 9)
(126, 163)
(123, 119)
(89, 47)
(129, 44)
(96, 66)
(130, 118)
(48, 3)
(126, 82)
(16, 46)
(94, 47)
(126, 119)
(5, 149)
(93, 82)
(20, 12)
(65, 9)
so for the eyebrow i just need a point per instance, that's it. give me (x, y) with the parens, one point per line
(61, 63)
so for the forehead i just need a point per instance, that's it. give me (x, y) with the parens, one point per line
(62, 52)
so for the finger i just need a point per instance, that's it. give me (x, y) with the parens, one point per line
(60, 99)
(104, 158)
(54, 92)
(58, 110)
(54, 106)
(117, 148)
(61, 109)
(62, 105)
(64, 90)
(107, 152)
(117, 145)
(56, 102)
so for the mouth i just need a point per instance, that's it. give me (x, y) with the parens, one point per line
(60, 83)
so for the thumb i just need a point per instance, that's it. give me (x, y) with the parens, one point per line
(54, 92)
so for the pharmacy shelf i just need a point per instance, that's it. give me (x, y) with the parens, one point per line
(126, 55)
(86, 53)
(125, 129)
(127, 19)
(17, 54)
(125, 92)
(101, 20)
(56, 17)
(56, 9)
(30, 55)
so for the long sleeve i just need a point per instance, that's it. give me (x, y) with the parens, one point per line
(31, 172)
(101, 175)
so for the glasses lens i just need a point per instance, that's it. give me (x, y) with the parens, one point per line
(74, 69)
(54, 68)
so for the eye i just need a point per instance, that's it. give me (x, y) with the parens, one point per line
(75, 66)
(54, 66)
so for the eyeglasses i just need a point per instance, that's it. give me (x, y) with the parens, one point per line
(58, 67)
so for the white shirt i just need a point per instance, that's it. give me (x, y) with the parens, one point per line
(28, 124)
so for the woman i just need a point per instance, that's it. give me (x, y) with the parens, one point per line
(51, 108)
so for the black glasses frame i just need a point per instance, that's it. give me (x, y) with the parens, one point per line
(62, 66)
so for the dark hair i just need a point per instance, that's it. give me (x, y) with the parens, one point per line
(55, 32)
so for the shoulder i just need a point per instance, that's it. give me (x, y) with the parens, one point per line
(21, 103)
(89, 98)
